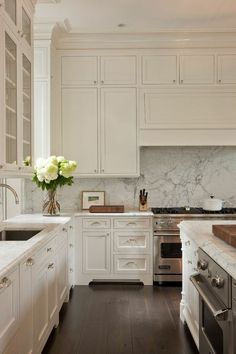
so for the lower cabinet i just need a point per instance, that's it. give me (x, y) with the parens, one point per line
(113, 248)
(189, 307)
(62, 270)
(9, 307)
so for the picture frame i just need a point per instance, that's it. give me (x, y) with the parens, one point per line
(92, 198)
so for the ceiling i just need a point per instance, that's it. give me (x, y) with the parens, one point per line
(142, 16)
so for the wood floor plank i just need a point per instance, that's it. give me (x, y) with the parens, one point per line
(121, 319)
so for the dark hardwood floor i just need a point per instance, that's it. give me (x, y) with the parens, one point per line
(121, 319)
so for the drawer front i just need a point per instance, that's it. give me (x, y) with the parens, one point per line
(131, 264)
(96, 223)
(136, 241)
(132, 223)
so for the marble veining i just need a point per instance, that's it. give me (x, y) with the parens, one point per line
(173, 176)
(201, 233)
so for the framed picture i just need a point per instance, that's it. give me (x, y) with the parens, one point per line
(92, 198)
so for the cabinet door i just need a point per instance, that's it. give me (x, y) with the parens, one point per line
(96, 252)
(119, 131)
(79, 128)
(26, 25)
(118, 70)
(62, 275)
(9, 307)
(40, 303)
(27, 109)
(79, 70)
(159, 69)
(227, 69)
(197, 69)
(52, 287)
(10, 10)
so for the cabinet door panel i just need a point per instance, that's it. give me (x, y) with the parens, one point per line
(62, 279)
(159, 69)
(119, 131)
(79, 128)
(197, 69)
(119, 70)
(9, 307)
(96, 252)
(52, 287)
(227, 69)
(79, 71)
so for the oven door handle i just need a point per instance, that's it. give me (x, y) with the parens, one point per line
(219, 312)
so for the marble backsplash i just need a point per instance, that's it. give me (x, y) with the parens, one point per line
(173, 176)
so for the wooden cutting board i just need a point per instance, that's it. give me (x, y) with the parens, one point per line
(226, 233)
(106, 209)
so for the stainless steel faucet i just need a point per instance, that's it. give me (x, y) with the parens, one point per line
(12, 190)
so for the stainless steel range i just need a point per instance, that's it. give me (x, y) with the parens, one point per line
(167, 244)
(217, 307)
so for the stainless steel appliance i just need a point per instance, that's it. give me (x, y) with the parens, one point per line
(217, 307)
(167, 244)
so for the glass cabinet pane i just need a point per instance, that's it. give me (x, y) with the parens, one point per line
(26, 26)
(26, 109)
(10, 8)
(11, 99)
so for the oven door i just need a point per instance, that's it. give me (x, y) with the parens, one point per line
(215, 321)
(167, 256)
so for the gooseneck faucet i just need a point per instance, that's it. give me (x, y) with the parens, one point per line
(12, 190)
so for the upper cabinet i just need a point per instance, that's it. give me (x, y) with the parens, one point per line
(16, 84)
(98, 120)
(118, 70)
(159, 69)
(197, 69)
(79, 70)
(227, 69)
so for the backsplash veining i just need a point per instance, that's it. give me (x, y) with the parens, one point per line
(173, 176)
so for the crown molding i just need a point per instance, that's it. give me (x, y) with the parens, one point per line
(163, 39)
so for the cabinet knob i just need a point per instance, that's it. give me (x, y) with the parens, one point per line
(95, 82)
(71, 270)
(102, 81)
(71, 245)
(49, 249)
(29, 262)
(174, 81)
(102, 170)
(182, 81)
(219, 80)
(5, 283)
(64, 229)
(71, 227)
(51, 266)
(95, 170)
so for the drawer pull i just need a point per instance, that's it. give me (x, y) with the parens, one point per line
(49, 249)
(131, 263)
(64, 229)
(29, 262)
(95, 223)
(51, 266)
(5, 283)
(131, 223)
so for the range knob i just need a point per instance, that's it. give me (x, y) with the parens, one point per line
(202, 264)
(217, 282)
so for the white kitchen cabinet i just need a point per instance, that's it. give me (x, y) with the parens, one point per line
(71, 255)
(197, 69)
(119, 131)
(79, 70)
(80, 128)
(98, 124)
(189, 306)
(227, 69)
(113, 248)
(62, 267)
(96, 251)
(9, 307)
(16, 90)
(159, 69)
(118, 70)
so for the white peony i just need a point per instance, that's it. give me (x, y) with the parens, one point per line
(60, 158)
(40, 163)
(51, 172)
(52, 160)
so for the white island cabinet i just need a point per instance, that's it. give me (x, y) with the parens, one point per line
(32, 293)
(114, 247)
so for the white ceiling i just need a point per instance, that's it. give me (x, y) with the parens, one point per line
(103, 16)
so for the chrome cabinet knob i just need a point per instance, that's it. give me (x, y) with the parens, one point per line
(202, 264)
(29, 262)
(217, 282)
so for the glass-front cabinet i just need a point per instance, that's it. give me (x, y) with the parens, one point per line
(16, 94)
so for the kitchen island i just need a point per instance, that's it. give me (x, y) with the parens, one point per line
(195, 235)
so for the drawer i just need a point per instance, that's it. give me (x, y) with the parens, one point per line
(45, 251)
(132, 223)
(131, 264)
(96, 223)
(136, 241)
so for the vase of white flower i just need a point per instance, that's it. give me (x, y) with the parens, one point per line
(52, 173)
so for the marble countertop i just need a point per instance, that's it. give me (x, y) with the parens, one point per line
(13, 252)
(201, 233)
(126, 213)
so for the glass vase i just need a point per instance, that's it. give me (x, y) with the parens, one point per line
(51, 207)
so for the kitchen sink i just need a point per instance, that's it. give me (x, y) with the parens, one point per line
(17, 235)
